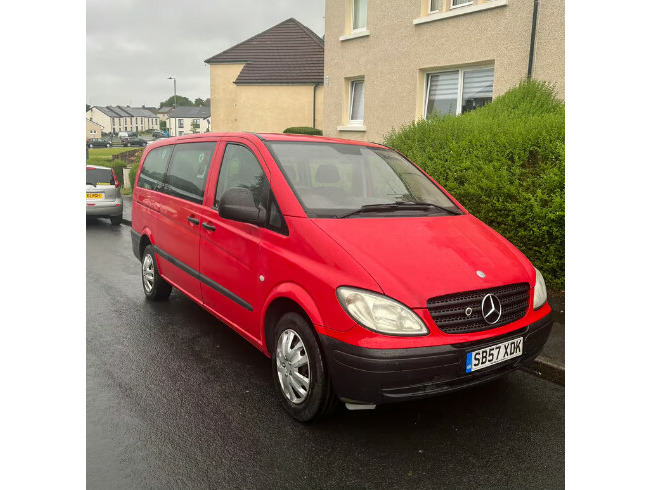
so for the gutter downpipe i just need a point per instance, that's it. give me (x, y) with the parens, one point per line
(533, 33)
(313, 125)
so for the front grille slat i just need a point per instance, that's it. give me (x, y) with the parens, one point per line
(449, 311)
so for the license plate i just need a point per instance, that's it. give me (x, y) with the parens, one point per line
(495, 354)
(94, 195)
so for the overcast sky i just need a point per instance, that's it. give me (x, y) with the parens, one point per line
(132, 46)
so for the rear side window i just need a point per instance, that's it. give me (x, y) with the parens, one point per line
(240, 168)
(96, 176)
(188, 171)
(153, 168)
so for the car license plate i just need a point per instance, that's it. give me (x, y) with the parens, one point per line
(495, 354)
(94, 195)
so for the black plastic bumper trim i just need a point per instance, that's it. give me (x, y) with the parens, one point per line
(386, 375)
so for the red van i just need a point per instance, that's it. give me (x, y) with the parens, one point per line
(344, 262)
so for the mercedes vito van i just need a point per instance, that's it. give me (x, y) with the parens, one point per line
(352, 269)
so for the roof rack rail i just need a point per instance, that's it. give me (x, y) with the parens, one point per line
(255, 134)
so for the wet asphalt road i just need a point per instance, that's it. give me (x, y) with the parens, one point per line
(175, 399)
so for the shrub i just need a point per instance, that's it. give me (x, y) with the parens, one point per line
(133, 172)
(505, 163)
(304, 130)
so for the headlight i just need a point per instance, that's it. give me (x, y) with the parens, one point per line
(540, 291)
(380, 313)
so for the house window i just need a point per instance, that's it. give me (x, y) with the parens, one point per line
(181, 123)
(196, 121)
(434, 6)
(459, 91)
(460, 3)
(359, 15)
(357, 89)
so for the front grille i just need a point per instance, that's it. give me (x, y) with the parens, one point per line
(449, 311)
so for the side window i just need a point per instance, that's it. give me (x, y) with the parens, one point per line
(240, 168)
(153, 168)
(188, 171)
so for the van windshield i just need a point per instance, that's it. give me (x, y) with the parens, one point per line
(341, 181)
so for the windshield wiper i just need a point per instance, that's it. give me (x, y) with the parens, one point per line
(90, 183)
(398, 206)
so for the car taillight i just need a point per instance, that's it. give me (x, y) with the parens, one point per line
(117, 182)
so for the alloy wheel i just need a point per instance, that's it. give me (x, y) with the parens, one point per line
(292, 366)
(147, 273)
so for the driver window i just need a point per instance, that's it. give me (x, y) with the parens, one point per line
(240, 168)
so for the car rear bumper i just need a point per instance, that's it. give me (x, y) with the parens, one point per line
(104, 208)
(374, 376)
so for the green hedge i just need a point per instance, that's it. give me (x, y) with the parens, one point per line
(304, 130)
(505, 163)
(133, 172)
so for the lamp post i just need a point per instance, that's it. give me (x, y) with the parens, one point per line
(175, 123)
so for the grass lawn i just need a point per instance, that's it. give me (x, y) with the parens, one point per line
(105, 153)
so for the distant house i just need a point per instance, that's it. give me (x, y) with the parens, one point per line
(188, 120)
(163, 113)
(269, 82)
(124, 118)
(93, 129)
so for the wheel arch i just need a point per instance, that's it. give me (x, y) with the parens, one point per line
(285, 298)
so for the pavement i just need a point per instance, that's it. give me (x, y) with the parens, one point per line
(548, 365)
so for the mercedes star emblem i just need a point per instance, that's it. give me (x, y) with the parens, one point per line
(491, 309)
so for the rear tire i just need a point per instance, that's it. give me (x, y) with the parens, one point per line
(116, 220)
(155, 287)
(299, 370)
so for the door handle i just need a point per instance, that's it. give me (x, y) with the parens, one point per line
(208, 226)
(193, 220)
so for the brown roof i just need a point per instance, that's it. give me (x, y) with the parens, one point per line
(286, 53)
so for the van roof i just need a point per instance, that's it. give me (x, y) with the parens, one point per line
(270, 137)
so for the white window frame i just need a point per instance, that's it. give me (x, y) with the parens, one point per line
(461, 77)
(438, 4)
(460, 5)
(358, 29)
(356, 122)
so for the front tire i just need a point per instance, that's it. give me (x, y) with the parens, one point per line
(155, 287)
(299, 370)
(116, 220)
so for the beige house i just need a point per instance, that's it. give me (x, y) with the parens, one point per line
(188, 120)
(124, 118)
(388, 63)
(269, 82)
(93, 129)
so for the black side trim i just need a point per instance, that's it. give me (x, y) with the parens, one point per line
(205, 280)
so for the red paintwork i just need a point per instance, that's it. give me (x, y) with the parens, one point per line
(409, 259)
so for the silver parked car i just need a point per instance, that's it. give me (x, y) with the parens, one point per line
(103, 196)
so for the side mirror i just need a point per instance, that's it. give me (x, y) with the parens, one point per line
(237, 204)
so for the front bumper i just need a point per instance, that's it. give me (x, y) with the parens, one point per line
(374, 376)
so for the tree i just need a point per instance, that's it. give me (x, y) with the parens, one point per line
(199, 101)
(163, 125)
(206, 102)
(194, 126)
(180, 102)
